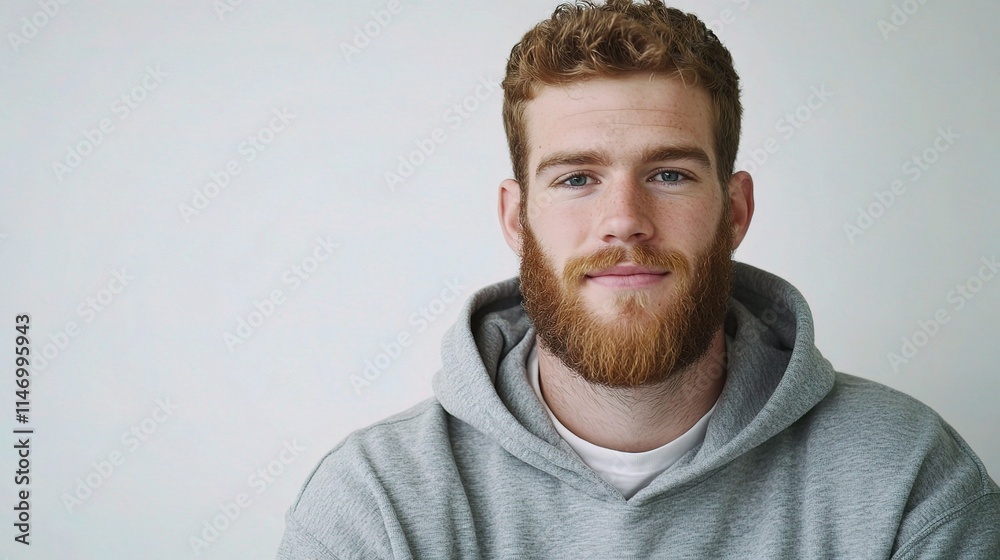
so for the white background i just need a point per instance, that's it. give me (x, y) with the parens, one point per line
(63, 235)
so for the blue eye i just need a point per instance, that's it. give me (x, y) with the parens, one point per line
(670, 176)
(576, 181)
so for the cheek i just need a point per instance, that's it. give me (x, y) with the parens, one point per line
(690, 224)
(560, 232)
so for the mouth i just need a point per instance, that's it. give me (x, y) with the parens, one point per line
(627, 276)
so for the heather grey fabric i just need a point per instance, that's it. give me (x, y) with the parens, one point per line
(799, 461)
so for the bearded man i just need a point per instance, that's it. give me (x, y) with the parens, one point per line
(634, 393)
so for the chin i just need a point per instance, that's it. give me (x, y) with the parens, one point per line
(630, 305)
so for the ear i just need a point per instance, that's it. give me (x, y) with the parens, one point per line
(741, 201)
(509, 210)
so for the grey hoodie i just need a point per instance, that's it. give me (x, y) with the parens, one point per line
(799, 461)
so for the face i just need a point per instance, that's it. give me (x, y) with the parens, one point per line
(626, 235)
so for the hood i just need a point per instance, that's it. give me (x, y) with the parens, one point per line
(775, 375)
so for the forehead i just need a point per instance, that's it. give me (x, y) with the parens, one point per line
(617, 115)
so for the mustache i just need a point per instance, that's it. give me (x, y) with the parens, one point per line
(641, 255)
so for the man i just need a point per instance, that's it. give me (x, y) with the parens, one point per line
(636, 393)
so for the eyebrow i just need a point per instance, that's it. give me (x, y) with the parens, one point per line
(593, 157)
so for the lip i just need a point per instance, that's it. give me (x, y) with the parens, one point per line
(626, 270)
(627, 276)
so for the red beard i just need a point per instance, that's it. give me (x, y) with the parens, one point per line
(645, 342)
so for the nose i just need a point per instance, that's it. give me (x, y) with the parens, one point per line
(625, 214)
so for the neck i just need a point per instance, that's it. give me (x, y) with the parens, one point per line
(633, 419)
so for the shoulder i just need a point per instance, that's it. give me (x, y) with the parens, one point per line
(881, 420)
(895, 439)
(392, 443)
(345, 502)
(866, 408)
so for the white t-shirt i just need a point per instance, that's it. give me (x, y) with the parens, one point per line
(628, 472)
